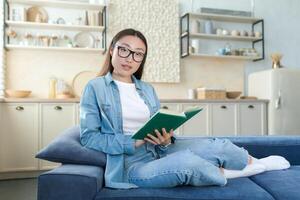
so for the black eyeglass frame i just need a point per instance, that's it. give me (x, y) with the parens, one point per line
(130, 52)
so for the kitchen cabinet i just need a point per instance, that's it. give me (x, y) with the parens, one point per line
(19, 137)
(54, 118)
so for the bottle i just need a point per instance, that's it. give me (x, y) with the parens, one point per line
(52, 88)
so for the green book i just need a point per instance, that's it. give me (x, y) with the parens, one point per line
(167, 119)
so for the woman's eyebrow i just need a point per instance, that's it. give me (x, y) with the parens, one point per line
(131, 48)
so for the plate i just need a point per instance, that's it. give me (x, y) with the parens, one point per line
(84, 40)
(34, 11)
(80, 80)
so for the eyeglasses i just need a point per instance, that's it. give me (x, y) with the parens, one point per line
(124, 52)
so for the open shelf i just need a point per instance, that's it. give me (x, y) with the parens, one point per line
(60, 4)
(225, 57)
(53, 26)
(74, 49)
(222, 37)
(225, 18)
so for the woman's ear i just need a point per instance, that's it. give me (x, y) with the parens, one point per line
(111, 51)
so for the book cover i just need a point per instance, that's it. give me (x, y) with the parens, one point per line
(167, 119)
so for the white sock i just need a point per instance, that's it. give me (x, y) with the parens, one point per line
(273, 162)
(249, 170)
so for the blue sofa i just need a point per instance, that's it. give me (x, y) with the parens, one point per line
(78, 178)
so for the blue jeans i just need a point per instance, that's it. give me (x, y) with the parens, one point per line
(187, 162)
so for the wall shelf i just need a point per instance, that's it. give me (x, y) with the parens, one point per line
(186, 34)
(53, 26)
(73, 49)
(59, 4)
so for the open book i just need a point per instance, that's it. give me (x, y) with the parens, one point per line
(167, 119)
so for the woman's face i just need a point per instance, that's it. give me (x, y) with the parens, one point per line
(127, 55)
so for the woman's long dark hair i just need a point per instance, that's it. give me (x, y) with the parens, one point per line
(107, 66)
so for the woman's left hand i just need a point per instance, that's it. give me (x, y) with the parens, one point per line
(161, 139)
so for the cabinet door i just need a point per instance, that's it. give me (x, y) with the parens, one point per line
(223, 119)
(198, 125)
(19, 137)
(252, 119)
(175, 107)
(55, 118)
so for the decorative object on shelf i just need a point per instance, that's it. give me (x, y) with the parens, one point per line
(276, 57)
(84, 40)
(257, 34)
(37, 14)
(28, 39)
(18, 14)
(79, 21)
(86, 18)
(98, 42)
(53, 40)
(243, 33)
(196, 26)
(52, 88)
(219, 31)
(17, 93)
(63, 90)
(94, 18)
(225, 32)
(60, 20)
(195, 45)
(208, 27)
(235, 33)
(233, 94)
(80, 80)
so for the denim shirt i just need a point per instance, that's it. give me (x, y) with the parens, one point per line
(101, 125)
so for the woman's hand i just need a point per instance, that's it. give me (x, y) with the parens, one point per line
(162, 139)
(139, 143)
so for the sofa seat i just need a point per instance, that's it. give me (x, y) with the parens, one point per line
(241, 188)
(281, 184)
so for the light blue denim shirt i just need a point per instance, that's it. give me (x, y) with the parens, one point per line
(101, 124)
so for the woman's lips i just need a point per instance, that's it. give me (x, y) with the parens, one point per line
(126, 67)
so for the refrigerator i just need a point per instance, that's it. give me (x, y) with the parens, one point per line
(282, 88)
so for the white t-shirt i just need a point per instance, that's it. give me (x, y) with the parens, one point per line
(134, 110)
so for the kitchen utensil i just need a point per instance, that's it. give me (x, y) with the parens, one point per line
(37, 13)
(80, 80)
(84, 40)
(17, 93)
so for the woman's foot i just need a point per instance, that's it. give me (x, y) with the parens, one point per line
(273, 162)
(249, 170)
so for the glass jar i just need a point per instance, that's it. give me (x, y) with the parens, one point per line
(52, 88)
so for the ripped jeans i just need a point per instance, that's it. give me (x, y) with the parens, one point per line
(187, 162)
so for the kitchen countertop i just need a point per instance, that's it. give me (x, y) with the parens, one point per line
(77, 100)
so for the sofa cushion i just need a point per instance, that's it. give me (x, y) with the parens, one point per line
(281, 184)
(66, 148)
(241, 188)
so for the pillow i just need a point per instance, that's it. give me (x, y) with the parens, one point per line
(67, 149)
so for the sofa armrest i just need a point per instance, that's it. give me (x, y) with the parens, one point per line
(262, 146)
(70, 182)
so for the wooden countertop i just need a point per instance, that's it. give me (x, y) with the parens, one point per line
(77, 100)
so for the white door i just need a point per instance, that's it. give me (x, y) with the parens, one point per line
(252, 119)
(198, 125)
(223, 119)
(175, 107)
(19, 137)
(55, 118)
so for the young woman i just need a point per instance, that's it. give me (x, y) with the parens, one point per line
(117, 103)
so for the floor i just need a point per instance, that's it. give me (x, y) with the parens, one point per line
(21, 189)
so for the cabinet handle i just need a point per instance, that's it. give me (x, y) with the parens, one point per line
(165, 107)
(250, 106)
(58, 108)
(224, 107)
(19, 108)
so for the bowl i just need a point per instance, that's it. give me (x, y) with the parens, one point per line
(17, 93)
(233, 94)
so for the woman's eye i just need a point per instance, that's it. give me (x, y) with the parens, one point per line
(139, 54)
(123, 49)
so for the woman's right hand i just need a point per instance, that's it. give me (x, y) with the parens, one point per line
(139, 143)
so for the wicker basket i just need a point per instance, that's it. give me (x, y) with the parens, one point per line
(204, 93)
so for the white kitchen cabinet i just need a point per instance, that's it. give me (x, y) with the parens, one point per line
(223, 119)
(199, 124)
(19, 137)
(175, 107)
(54, 119)
(252, 119)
